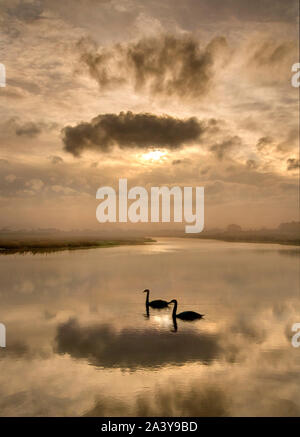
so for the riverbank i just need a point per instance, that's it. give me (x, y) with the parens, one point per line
(49, 246)
(251, 239)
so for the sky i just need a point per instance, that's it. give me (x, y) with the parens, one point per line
(186, 93)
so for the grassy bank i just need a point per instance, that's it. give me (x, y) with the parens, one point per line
(48, 246)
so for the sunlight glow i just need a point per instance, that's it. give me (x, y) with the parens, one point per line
(154, 156)
(163, 320)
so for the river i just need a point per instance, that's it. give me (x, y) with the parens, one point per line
(79, 341)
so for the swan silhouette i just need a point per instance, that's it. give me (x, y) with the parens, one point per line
(155, 303)
(185, 315)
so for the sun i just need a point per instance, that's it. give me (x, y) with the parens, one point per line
(154, 156)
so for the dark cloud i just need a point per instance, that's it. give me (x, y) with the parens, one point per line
(221, 149)
(293, 164)
(128, 130)
(29, 129)
(174, 66)
(101, 345)
(166, 66)
(264, 143)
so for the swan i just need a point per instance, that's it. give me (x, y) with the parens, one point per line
(155, 303)
(185, 315)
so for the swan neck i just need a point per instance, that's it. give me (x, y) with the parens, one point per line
(174, 310)
(174, 324)
(147, 298)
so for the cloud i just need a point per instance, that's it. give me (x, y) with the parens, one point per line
(285, 144)
(264, 143)
(293, 164)
(128, 130)
(221, 149)
(28, 129)
(197, 400)
(101, 345)
(25, 11)
(269, 53)
(167, 65)
(268, 62)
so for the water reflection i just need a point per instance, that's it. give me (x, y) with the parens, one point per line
(81, 342)
(172, 401)
(131, 349)
(294, 253)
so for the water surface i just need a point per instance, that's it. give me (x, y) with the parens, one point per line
(79, 341)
